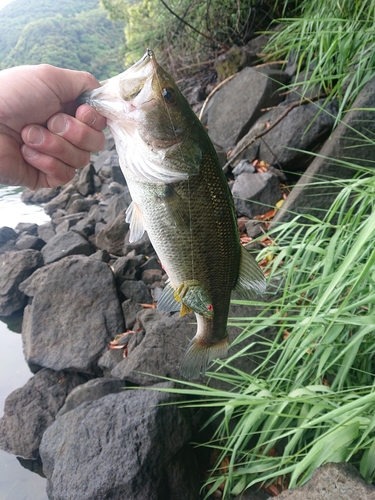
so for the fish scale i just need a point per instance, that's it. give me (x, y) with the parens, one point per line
(181, 197)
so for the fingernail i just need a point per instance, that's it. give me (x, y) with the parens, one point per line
(89, 117)
(29, 152)
(35, 135)
(58, 124)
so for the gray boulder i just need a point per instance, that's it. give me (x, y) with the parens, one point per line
(42, 195)
(332, 481)
(334, 160)
(28, 241)
(137, 291)
(65, 244)
(304, 128)
(27, 228)
(46, 231)
(255, 194)
(7, 234)
(84, 314)
(91, 391)
(247, 93)
(115, 205)
(28, 411)
(126, 446)
(15, 268)
(61, 200)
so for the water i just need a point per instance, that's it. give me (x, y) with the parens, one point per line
(16, 482)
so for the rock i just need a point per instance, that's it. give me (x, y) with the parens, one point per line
(117, 175)
(254, 228)
(65, 244)
(122, 446)
(116, 187)
(68, 221)
(254, 194)
(128, 268)
(247, 93)
(46, 231)
(141, 247)
(161, 349)
(15, 267)
(233, 61)
(28, 411)
(86, 182)
(7, 234)
(42, 195)
(84, 227)
(136, 291)
(111, 237)
(27, 227)
(84, 314)
(243, 167)
(116, 204)
(309, 195)
(29, 242)
(130, 310)
(332, 481)
(109, 360)
(101, 255)
(151, 263)
(304, 128)
(102, 159)
(60, 201)
(150, 276)
(91, 391)
(81, 205)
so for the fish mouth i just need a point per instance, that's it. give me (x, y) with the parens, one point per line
(119, 94)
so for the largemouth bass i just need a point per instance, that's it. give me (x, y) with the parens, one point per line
(182, 199)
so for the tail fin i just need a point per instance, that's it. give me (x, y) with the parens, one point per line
(198, 355)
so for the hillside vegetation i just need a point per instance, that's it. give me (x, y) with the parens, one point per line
(75, 34)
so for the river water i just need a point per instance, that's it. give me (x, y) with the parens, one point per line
(16, 482)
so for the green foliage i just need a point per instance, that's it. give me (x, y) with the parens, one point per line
(334, 41)
(69, 34)
(311, 399)
(186, 30)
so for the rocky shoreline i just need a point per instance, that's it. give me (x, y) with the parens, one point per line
(81, 285)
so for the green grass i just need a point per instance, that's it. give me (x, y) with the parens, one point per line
(311, 399)
(334, 41)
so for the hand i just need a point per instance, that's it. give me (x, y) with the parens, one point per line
(44, 134)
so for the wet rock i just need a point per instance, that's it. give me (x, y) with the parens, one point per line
(28, 411)
(84, 314)
(29, 242)
(126, 445)
(136, 291)
(91, 391)
(15, 267)
(332, 481)
(46, 231)
(65, 244)
(247, 93)
(254, 194)
(111, 237)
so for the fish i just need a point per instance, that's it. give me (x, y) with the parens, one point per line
(181, 197)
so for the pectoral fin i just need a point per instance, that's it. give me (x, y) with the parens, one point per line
(167, 301)
(135, 219)
(176, 207)
(251, 279)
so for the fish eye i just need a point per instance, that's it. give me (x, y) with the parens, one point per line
(168, 95)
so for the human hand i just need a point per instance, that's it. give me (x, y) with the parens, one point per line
(44, 134)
